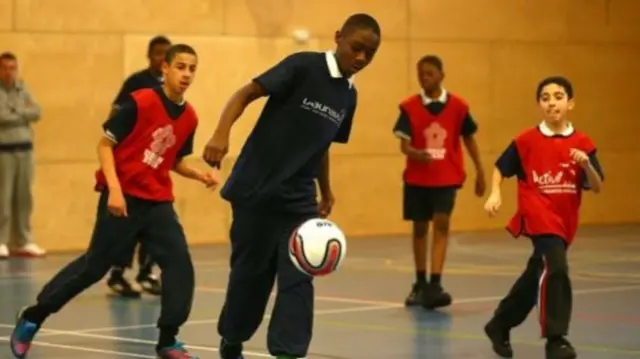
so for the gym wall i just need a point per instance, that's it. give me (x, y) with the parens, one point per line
(74, 54)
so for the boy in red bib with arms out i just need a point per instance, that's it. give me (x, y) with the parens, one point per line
(432, 127)
(553, 163)
(146, 138)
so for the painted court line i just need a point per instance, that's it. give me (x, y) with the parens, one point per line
(88, 350)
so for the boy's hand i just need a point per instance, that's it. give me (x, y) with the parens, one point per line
(421, 156)
(116, 203)
(209, 179)
(493, 204)
(326, 205)
(216, 148)
(580, 157)
(481, 184)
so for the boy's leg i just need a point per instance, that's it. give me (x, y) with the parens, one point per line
(443, 202)
(165, 240)
(254, 248)
(291, 324)
(146, 279)
(117, 281)
(555, 296)
(111, 235)
(417, 209)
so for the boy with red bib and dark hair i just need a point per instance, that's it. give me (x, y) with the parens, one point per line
(432, 127)
(553, 163)
(147, 137)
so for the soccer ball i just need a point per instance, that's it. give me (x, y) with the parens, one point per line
(318, 247)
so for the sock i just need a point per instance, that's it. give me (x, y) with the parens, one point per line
(167, 337)
(35, 314)
(435, 279)
(117, 272)
(145, 272)
(421, 276)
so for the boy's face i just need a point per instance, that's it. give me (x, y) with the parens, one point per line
(356, 49)
(554, 103)
(429, 76)
(157, 55)
(8, 72)
(179, 74)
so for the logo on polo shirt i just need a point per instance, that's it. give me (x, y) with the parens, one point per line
(163, 139)
(324, 110)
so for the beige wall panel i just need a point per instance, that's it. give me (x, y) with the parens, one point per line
(321, 17)
(6, 15)
(73, 77)
(164, 16)
(624, 19)
(460, 20)
(225, 64)
(467, 68)
(381, 86)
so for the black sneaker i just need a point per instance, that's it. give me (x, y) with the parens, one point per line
(500, 340)
(122, 287)
(150, 284)
(230, 351)
(560, 349)
(435, 297)
(415, 296)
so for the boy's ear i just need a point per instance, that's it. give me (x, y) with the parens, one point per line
(571, 104)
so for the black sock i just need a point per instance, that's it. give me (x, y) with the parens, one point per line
(435, 279)
(421, 276)
(117, 272)
(167, 337)
(35, 314)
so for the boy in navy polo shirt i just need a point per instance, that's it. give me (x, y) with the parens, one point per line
(143, 141)
(553, 163)
(272, 189)
(151, 77)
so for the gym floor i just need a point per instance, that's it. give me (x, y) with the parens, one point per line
(359, 311)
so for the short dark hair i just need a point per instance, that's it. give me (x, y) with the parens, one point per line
(361, 21)
(157, 40)
(432, 60)
(8, 56)
(556, 80)
(176, 49)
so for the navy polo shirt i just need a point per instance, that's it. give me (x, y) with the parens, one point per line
(138, 80)
(123, 121)
(310, 106)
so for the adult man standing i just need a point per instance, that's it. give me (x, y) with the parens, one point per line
(18, 111)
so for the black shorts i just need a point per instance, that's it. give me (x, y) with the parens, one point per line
(421, 203)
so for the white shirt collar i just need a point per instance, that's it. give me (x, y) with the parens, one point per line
(334, 70)
(548, 132)
(426, 100)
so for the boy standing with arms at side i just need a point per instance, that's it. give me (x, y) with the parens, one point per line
(143, 141)
(553, 163)
(430, 127)
(272, 187)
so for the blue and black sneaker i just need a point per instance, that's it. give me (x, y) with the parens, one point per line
(22, 336)
(176, 351)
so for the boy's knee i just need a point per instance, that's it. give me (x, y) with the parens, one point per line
(441, 223)
(420, 230)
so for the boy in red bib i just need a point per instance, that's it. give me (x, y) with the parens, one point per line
(146, 138)
(432, 127)
(553, 163)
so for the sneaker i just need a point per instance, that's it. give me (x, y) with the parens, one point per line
(150, 284)
(176, 351)
(230, 351)
(560, 349)
(22, 336)
(4, 251)
(30, 250)
(435, 297)
(122, 287)
(500, 339)
(415, 296)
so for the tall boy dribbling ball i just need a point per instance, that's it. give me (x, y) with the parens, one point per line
(318, 247)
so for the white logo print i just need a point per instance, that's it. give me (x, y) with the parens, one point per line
(324, 111)
(435, 135)
(163, 139)
(562, 181)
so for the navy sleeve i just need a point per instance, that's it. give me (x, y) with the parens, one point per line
(122, 122)
(187, 147)
(402, 127)
(509, 163)
(127, 88)
(344, 131)
(469, 126)
(593, 158)
(279, 79)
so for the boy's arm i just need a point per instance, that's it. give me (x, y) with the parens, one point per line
(594, 175)
(116, 128)
(507, 165)
(402, 130)
(469, 129)
(181, 166)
